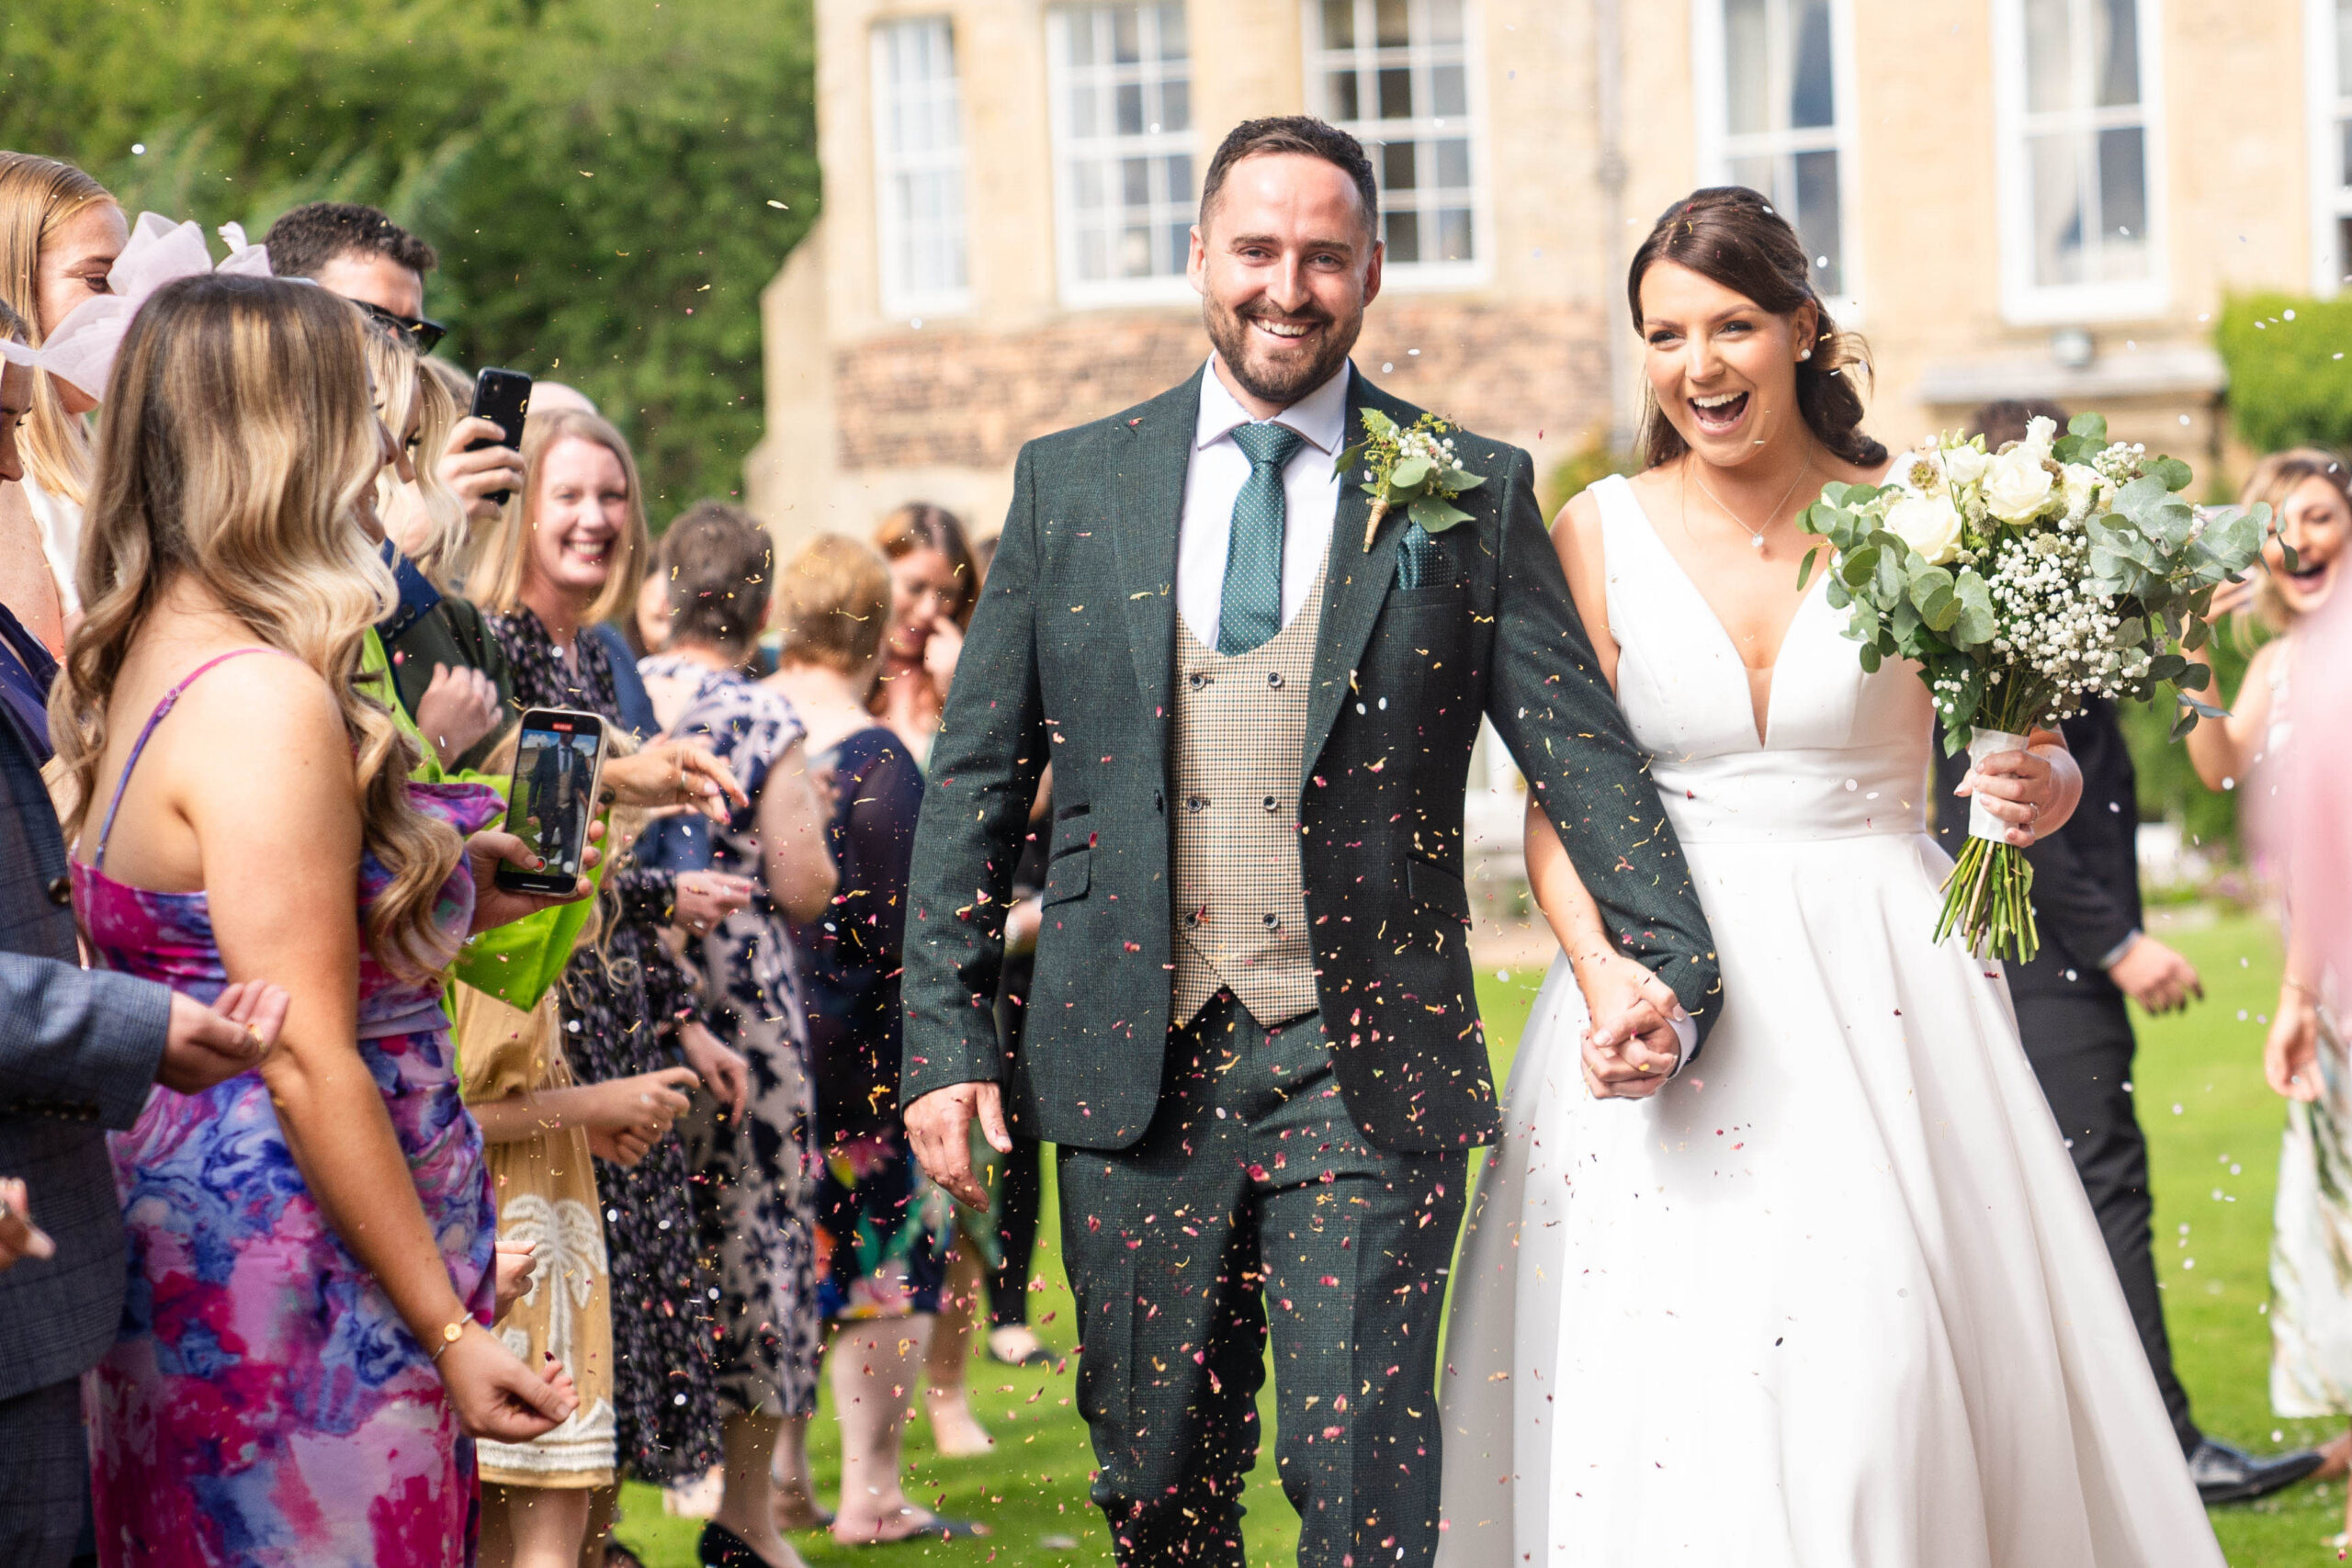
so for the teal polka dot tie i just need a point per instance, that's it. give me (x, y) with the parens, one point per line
(1250, 612)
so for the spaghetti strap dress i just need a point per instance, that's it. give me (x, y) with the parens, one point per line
(262, 1402)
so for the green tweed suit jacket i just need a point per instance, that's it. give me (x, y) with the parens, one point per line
(1071, 659)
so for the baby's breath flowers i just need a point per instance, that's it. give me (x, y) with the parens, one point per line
(2022, 583)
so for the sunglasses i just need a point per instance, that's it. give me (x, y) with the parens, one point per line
(421, 332)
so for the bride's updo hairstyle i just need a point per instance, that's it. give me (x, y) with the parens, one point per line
(235, 447)
(1731, 235)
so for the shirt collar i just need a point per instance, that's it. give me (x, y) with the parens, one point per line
(1321, 416)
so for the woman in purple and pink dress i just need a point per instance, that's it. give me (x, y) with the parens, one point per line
(301, 1363)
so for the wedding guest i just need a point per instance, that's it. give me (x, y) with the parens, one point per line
(60, 232)
(565, 556)
(2078, 1031)
(2310, 493)
(934, 585)
(883, 1249)
(79, 1052)
(362, 255)
(757, 1165)
(222, 525)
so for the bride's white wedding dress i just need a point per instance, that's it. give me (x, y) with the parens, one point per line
(1834, 1296)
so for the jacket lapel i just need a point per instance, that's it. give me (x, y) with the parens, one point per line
(1148, 507)
(1355, 582)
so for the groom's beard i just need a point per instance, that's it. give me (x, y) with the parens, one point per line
(1283, 380)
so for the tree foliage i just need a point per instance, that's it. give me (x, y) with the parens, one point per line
(2290, 384)
(610, 182)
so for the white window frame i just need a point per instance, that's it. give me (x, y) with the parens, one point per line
(1412, 277)
(1080, 293)
(2023, 300)
(1716, 146)
(898, 297)
(2327, 103)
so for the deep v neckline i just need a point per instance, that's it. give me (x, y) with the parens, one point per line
(1707, 612)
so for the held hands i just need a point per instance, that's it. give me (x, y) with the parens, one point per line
(457, 710)
(2290, 1055)
(626, 1117)
(19, 1237)
(2155, 977)
(206, 1045)
(471, 476)
(1630, 1049)
(722, 1069)
(939, 1126)
(675, 773)
(2018, 787)
(496, 1396)
(495, 906)
(705, 899)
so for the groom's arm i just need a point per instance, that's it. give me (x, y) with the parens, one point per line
(985, 764)
(1552, 707)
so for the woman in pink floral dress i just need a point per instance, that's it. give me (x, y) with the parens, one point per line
(298, 1376)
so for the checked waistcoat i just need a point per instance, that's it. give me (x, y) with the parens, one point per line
(1236, 752)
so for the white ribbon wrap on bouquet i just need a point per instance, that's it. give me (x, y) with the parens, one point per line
(1984, 743)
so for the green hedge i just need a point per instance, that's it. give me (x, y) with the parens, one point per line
(2290, 382)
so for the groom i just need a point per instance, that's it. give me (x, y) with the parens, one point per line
(1254, 1029)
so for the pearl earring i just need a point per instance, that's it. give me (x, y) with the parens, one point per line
(1804, 353)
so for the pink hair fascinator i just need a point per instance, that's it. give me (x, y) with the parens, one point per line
(82, 349)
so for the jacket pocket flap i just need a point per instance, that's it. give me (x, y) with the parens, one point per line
(1438, 889)
(1067, 875)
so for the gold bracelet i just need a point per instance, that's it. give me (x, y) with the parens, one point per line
(450, 1334)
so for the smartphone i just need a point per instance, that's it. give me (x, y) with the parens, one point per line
(503, 398)
(553, 796)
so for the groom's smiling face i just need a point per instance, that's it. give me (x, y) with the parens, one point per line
(1285, 261)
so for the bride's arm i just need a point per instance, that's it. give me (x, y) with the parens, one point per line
(1632, 1045)
(1576, 535)
(2035, 791)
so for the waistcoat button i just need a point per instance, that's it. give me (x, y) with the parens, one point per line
(61, 892)
(1274, 679)
(1199, 680)
(1272, 805)
(1273, 921)
(1195, 803)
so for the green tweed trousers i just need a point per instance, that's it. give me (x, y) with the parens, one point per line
(1253, 1201)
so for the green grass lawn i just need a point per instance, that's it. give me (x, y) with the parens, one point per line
(2214, 1128)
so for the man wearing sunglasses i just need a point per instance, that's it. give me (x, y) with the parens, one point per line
(360, 254)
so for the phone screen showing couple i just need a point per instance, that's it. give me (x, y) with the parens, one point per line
(553, 796)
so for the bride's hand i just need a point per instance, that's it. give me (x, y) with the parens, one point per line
(1631, 1048)
(2020, 787)
(2291, 1054)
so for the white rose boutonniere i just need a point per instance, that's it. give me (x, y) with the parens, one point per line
(2017, 487)
(1929, 524)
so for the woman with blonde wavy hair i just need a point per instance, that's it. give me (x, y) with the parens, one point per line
(60, 232)
(312, 1241)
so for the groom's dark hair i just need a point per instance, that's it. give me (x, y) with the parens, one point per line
(1302, 134)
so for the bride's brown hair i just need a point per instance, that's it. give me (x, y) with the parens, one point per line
(1731, 235)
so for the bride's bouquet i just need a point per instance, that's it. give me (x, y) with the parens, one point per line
(2023, 582)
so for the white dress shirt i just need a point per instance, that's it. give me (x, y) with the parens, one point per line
(1213, 479)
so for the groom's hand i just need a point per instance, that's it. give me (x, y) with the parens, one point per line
(1631, 1048)
(939, 1126)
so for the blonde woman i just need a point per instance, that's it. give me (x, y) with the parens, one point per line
(933, 585)
(566, 556)
(311, 1242)
(60, 232)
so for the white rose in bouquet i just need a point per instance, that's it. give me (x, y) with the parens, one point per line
(2017, 485)
(2081, 483)
(1966, 465)
(1929, 524)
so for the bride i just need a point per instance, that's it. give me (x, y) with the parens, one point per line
(1831, 1294)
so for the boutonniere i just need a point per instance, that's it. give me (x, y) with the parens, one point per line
(1413, 468)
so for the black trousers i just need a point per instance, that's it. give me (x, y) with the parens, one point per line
(44, 1476)
(1253, 1200)
(2081, 1049)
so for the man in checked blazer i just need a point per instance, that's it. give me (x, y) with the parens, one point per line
(1254, 1029)
(79, 1050)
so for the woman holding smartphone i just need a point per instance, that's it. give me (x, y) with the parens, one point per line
(567, 556)
(329, 1215)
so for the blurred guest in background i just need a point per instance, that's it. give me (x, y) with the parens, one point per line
(885, 1233)
(2077, 1032)
(60, 232)
(237, 461)
(565, 556)
(362, 255)
(79, 1051)
(934, 586)
(756, 1163)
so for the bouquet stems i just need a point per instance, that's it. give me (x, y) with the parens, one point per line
(1988, 897)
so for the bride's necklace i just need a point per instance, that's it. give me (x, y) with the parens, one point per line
(1755, 535)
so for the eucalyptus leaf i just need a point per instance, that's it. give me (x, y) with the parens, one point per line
(1804, 567)
(2089, 427)
(1435, 514)
(1410, 474)
(1859, 568)
(1457, 480)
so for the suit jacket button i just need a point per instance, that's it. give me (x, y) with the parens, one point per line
(1274, 679)
(60, 891)
(1273, 921)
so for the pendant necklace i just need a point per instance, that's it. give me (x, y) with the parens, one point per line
(1755, 535)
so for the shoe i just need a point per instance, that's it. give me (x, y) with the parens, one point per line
(1015, 1345)
(2224, 1474)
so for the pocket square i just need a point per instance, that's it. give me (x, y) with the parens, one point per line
(1421, 559)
